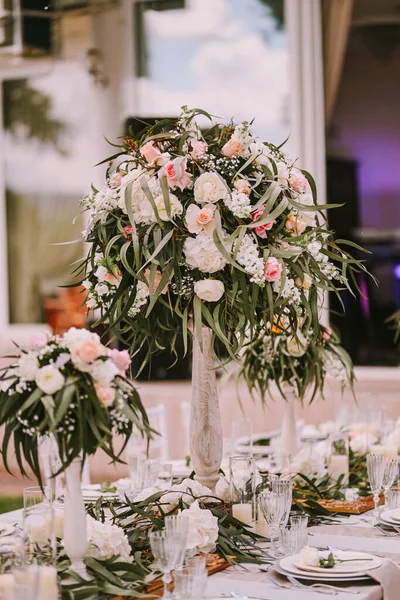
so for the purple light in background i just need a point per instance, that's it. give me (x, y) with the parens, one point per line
(396, 271)
(364, 300)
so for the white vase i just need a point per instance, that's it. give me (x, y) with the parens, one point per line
(289, 437)
(75, 534)
(205, 418)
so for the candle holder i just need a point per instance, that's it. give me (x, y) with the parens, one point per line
(338, 464)
(38, 526)
(242, 488)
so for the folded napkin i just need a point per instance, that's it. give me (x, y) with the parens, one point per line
(388, 576)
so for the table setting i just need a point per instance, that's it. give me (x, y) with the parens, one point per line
(207, 241)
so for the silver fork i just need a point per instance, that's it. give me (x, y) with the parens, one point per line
(295, 584)
(331, 591)
(322, 586)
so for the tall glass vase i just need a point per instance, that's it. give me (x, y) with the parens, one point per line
(75, 535)
(205, 419)
(289, 436)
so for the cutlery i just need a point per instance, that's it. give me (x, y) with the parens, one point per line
(295, 584)
(321, 586)
(315, 587)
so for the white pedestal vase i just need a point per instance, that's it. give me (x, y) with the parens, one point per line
(75, 535)
(205, 419)
(289, 436)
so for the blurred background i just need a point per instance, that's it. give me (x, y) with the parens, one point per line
(322, 73)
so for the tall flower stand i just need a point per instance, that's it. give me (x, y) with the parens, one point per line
(205, 418)
(75, 534)
(289, 437)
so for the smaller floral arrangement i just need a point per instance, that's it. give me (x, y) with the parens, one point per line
(107, 540)
(311, 557)
(71, 387)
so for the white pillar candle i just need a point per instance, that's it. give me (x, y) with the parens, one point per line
(339, 465)
(243, 512)
(7, 586)
(37, 530)
(43, 579)
(391, 452)
(58, 523)
(262, 527)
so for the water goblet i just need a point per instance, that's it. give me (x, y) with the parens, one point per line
(137, 466)
(291, 539)
(390, 474)
(300, 522)
(190, 584)
(178, 525)
(167, 548)
(376, 464)
(392, 499)
(284, 486)
(198, 563)
(272, 506)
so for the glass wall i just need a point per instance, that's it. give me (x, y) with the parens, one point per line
(46, 164)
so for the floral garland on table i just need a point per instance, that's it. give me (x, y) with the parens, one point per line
(218, 226)
(73, 388)
(119, 558)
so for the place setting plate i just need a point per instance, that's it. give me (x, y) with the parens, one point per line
(391, 517)
(91, 493)
(342, 572)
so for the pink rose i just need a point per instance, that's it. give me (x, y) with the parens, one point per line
(127, 231)
(242, 186)
(298, 182)
(113, 278)
(151, 152)
(200, 218)
(184, 180)
(106, 395)
(295, 224)
(199, 149)
(326, 333)
(121, 359)
(272, 269)
(115, 180)
(261, 229)
(87, 352)
(157, 279)
(38, 341)
(232, 148)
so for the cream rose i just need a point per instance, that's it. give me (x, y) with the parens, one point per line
(49, 380)
(309, 557)
(296, 345)
(210, 290)
(209, 188)
(200, 218)
(232, 148)
(304, 283)
(295, 223)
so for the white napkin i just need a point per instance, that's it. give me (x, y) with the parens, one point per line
(388, 576)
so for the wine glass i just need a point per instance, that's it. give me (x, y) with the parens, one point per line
(167, 548)
(376, 464)
(272, 506)
(389, 475)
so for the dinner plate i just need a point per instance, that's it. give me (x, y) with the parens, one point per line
(358, 562)
(6, 529)
(391, 516)
(316, 577)
(93, 493)
(293, 564)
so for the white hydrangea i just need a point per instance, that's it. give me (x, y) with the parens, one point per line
(239, 204)
(142, 294)
(28, 365)
(249, 258)
(107, 540)
(334, 367)
(101, 203)
(187, 491)
(314, 248)
(209, 188)
(141, 207)
(104, 371)
(202, 253)
(203, 529)
(175, 206)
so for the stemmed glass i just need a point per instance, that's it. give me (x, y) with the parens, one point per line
(273, 507)
(389, 475)
(376, 464)
(167, 548)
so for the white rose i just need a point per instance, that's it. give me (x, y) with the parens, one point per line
(203, 529)
(262, 153)
(49, 380)
(101, 273)
(314, 247)
(209, 188)
(296, 345)
(309, 557)
(201, 253)
(103, 372)
(210, 290)
(223, 490)
(27, 366)
(187, 491)
(176, 207)
(146, 493)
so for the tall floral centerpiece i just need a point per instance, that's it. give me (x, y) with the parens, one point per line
(214, 234)
(76, 390)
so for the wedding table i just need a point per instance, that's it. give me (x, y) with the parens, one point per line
(352, 533)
